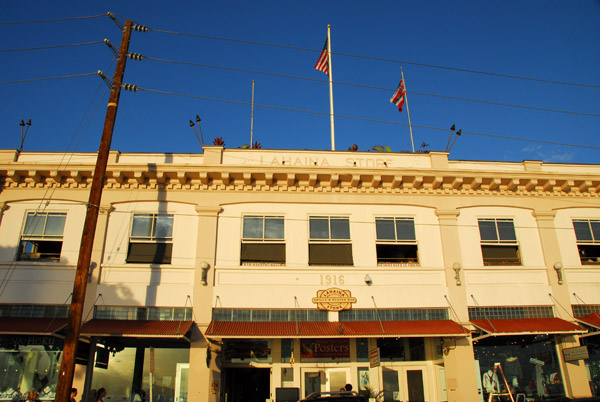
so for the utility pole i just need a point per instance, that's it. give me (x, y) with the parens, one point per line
(67, 367)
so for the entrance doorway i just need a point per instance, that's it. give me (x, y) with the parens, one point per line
(326, 379)
(246, 384)
(406, 384)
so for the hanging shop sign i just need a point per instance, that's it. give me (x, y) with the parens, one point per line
(374, 358)
(576, 353)
(334, 299)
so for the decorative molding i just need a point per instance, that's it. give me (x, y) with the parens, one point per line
(298, 179)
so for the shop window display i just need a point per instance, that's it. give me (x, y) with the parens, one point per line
(528, 363)
(29, 363)
(592, 364)
(168, 375)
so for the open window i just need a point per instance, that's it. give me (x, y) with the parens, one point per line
(329, 242)
(499, 244)
(587, 232)
(262, 240)
(396, 241)
(42, 236)
(151, 240)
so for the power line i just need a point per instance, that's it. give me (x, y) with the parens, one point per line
(51, 47)
(136, 56)
(360, 118)
(380, 59)
(55, 20)
(48, 78)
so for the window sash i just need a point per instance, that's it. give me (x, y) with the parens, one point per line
(263, 253)
(330, 254)
(497, 231)
(152, 227)
(263, 228)
(394, 229)
(44, 225)
(587, 230)
(329, 228)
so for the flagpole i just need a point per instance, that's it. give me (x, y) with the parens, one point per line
(330, 86)
(407, 111)
(252, 115)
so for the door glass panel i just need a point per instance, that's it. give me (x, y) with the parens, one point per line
(337, 380)
(312, 382)
(181, 382)
(414, 380)
(391, 388)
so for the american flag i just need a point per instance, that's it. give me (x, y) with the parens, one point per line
(398, 98)
(323, 62)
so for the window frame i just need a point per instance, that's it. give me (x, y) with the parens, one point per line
(499, 243)
(272, 245)
(163, 244)
(34, 238)
(584, 246)
(388, 243)
(322, 251)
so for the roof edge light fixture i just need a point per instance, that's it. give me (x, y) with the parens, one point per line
(457, 267)
(204, 267)
(558, 267)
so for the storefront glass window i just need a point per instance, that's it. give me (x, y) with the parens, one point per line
(401, 349)
(592, 364)
(362, 350)
(245, 350)
(169, 374)
(29, 362)
(529, 363)
(286, 350)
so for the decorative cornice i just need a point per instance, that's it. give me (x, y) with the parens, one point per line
(303, 179)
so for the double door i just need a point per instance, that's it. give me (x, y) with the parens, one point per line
(412, 383)
(406, 384)
(324, 379)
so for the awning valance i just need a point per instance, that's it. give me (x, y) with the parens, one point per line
(346, 329)
(593, 320)
(31, 326)
(528, 326)
(136, 328)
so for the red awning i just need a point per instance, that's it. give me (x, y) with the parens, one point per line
(31, 326)
(593, 320)
(234, 329)
(136, 328)
(524, 326)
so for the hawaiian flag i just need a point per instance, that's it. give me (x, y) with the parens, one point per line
(398, 98)
(323, 62)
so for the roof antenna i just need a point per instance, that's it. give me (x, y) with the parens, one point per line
(201, 138)
(458, 133)
(23, 135)
(449, 138)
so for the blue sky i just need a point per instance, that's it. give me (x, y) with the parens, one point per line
(549, 40)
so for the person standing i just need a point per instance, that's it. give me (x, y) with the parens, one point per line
(73, 395)
(100, 394)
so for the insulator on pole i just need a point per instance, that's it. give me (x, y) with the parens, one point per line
(140, 28)
(130, 87)
(136, 56)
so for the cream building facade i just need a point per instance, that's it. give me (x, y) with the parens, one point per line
(266, 275)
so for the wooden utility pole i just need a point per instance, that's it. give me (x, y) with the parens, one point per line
(67, 367)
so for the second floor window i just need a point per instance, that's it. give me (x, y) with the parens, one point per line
(42, 236)
(263, 240)
(151, 240)
(499, 244)
(329, 242)
(587, 232)
(396, 241)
